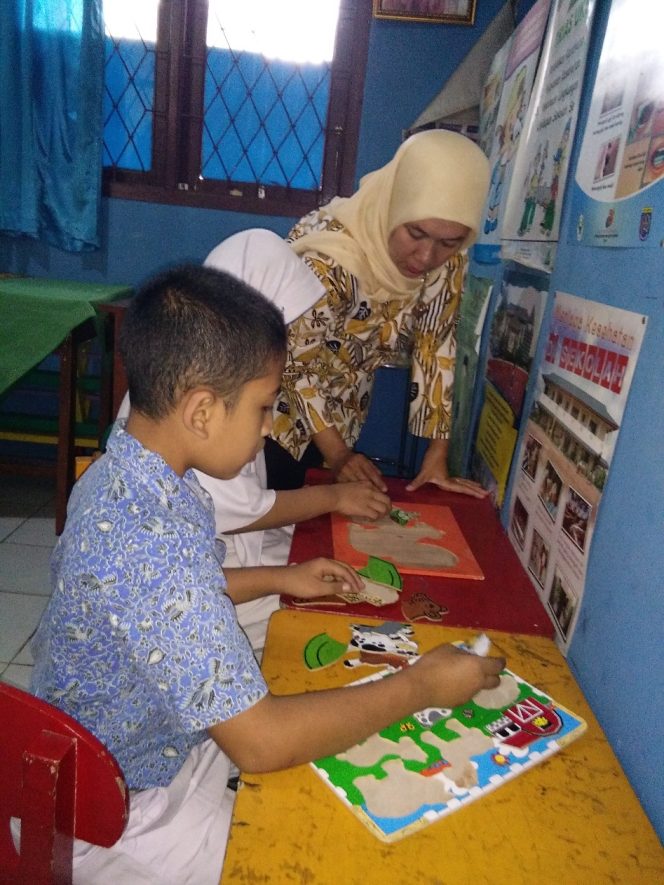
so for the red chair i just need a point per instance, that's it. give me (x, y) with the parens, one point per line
(61, 782)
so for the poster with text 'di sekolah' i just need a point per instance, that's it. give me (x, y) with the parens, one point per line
(618, 194)
(567, 447)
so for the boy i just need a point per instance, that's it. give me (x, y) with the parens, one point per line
(140, 641)
(254, 522)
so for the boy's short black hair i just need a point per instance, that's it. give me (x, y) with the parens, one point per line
(193, 326)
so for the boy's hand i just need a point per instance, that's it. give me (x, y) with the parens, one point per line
(319, 577)
(450, 676)
(361, 500)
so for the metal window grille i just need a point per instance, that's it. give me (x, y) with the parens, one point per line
(189, 122)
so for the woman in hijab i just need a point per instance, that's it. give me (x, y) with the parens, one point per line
(392, 260)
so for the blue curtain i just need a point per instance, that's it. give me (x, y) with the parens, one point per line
(51, 82)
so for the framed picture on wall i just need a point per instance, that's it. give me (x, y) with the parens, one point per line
(451, 12)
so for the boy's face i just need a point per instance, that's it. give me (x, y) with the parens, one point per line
(240, 430)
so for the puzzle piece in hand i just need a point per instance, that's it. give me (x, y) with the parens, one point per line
(332, 599)
(419, 605)
(373, 592)
(381, 571)
(403, 517)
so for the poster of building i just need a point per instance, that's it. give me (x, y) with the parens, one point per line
(618, 194)
(531, 220)
(513, 336)
(567, 447)
(520, 67)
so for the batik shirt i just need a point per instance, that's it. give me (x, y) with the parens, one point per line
(139, 641)
(336, 346)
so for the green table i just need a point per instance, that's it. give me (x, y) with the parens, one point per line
(38, 314)
(37, 317)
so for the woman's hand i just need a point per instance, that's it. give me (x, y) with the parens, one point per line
(319, 577)
(355, 468)
(434, 470)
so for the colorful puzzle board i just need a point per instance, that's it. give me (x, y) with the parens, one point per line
(431, 764)
(432, 526)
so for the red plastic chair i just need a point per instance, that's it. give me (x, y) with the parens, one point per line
(61, 782)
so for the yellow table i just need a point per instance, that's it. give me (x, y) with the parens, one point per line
(572, 819)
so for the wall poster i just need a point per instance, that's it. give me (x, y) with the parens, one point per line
(474, 304)
(566, 451)
(520, 67)
(531, 220)
(618, 195)
(513, 336)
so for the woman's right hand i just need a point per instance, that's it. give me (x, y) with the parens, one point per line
(355, 467)
(345, 464)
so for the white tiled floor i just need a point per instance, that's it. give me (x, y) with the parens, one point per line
(27, 537)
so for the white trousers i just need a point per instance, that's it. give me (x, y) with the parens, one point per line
(176, 835)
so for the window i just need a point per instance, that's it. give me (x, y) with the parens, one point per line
(203, 108)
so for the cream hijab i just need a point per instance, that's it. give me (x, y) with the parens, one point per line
(263, 260)
(435, 174)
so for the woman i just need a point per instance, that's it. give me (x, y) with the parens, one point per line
(392, 260)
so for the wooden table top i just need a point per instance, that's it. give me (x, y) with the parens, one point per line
(572, 818)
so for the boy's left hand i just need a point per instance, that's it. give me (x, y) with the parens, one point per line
(319, 577)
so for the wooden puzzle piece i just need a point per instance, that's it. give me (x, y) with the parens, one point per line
(322, 650)
(381, 571)
(420, 606)
(373, 592)
(403, 517)
(381, 585)
(384, 644)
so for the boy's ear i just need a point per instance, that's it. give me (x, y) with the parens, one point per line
(198, 408)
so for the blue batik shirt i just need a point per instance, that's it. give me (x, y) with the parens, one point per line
(140, 641)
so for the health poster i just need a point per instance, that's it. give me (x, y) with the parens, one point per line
(618, 194)
(520, 68)
(567, 447)
(532, 212)
(422, 539)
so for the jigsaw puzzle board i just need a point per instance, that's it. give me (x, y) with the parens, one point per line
(435, 762)
(430, 542)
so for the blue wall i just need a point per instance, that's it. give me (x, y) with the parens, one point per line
(618, 651)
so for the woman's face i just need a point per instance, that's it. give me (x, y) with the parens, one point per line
(420, 246)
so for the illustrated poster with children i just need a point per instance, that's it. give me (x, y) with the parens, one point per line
(566, 451)
(532, 212)
(520, 68)
(618, 195)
